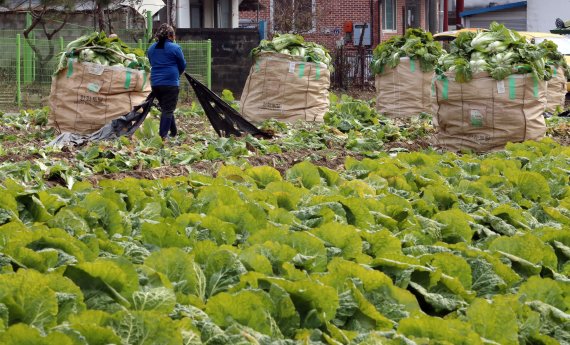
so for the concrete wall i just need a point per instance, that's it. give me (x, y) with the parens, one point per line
(542, 14)
(515, 19)
(79, 22)
(231, 60)
(12, 23)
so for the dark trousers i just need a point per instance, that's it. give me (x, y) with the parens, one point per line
(167, 97)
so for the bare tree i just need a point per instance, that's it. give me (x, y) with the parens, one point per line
(47, 11)
(103, 14)
(171, 12)
(299, 16)
(100, 13)
(106, 14)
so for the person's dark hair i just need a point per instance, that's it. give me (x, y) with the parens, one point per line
(164, 32)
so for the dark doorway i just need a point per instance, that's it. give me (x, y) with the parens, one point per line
(412, 14)
(223, 13)
(196, 14)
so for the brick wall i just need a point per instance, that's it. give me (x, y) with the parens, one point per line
(332, 14)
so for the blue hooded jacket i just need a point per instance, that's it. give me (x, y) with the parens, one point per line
(167, 64)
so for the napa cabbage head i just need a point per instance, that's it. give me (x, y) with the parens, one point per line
(498, 51)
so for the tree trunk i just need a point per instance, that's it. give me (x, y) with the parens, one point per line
(100, 18)
(38, 19)
(171, 7)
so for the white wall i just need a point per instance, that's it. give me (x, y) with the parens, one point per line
(208, 13)
(541, 14)
(183, 14)
(235, 13)
(514, 18)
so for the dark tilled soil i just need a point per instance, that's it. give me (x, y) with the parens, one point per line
(192, 126)
(152, 174)
(332, 159)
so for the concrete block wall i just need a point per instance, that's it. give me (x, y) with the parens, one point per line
(231, 59)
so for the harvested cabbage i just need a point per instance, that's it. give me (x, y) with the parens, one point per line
(415, 44)
(499, 52)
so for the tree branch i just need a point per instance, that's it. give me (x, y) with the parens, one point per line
(37, 19)
(56, 30)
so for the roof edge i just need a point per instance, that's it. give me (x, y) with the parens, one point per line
(493, 9)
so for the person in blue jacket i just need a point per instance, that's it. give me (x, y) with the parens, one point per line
(167, 64)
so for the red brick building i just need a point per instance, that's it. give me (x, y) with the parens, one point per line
(333, 22)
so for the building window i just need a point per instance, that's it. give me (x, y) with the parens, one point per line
(195, 16)
(293, 15)
(389, 15)
(223, 14)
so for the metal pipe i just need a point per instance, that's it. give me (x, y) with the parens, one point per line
(459, 7)
(445, 15)
(380, 21)
(18, 80)
(371, 23)
(28, 51)
(148, 27)
(209, 64)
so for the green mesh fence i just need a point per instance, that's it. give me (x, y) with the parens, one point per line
(27, 65)
(197, 55)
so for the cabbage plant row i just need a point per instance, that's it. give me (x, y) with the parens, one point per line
(416, 248)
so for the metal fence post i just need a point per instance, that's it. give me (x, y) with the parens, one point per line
(261, 29)
(61, 44)
(209, 64)
(148, 33)
(28, 53)
(18, 81)
(140, 44)
(33, 59)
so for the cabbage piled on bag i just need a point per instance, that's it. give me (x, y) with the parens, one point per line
(415, 44)
(107, 51)
(295, 45)
(499, 52)
(554, 58)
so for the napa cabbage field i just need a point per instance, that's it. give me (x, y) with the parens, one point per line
(355, 231)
